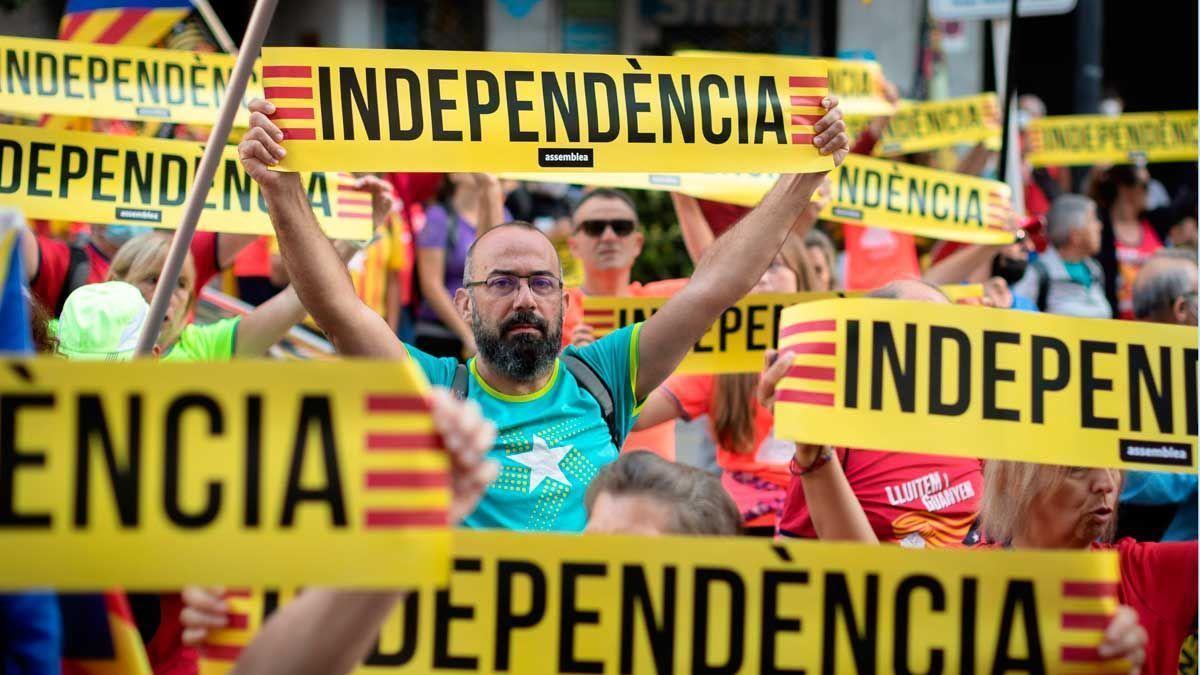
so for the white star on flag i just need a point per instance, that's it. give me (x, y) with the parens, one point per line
(543, 462)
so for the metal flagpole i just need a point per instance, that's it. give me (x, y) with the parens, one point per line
(214, 24)
(260, 19)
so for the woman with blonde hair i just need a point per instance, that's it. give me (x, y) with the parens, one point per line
(754, 463)
(140, 262)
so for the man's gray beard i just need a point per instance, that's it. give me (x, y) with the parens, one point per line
(522, 357)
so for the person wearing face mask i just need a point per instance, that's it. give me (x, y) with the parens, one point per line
(55, 268)
(997, 268)
(1128, 240)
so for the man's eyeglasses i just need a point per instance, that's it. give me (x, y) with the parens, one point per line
(622, 227)
(501, 285)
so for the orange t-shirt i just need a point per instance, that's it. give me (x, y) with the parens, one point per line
(694, 396)
(660, 438)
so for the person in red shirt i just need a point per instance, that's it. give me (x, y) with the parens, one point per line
(910, 499)
(54, 268)
(1128, 238)
(606, 239)
(754, 463)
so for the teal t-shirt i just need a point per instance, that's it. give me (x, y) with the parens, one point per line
(207, 342)
(1079, 273)
(551, 443)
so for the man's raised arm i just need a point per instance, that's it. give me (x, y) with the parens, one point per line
(734, 262)
(317, 272)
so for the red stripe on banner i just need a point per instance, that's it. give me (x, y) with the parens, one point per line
(222, 652)
(799, 139)
(287, 71)
(293, 114)
(299, 134)
(237, 593)
(812, 373)
(806, 120)
(71, 23)
(349, 187)
(381, 403)
(121, 27)
(803, 81)
(1081, 654)
(807, 101)
(355, 202)
(602, 324)
(808, 327)
(1089, 589)
(351, 214)
(381, 518)
(383, 480)
(1090, 621)
(237, 621)
(797, 396)
(287, 92)
(400, 442)
(826, 348)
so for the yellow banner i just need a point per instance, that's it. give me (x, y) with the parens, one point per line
(383, 110)
(928, 125)
(133, 180)
(152, 475)
(116, 82)
(866, 191)
(737, 341)
(1098, 139)
(537, 603)
(990, 383)
(858, 83)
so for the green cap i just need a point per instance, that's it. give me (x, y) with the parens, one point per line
(101, 322)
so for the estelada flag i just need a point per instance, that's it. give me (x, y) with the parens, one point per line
(100, 636)
(138, 23)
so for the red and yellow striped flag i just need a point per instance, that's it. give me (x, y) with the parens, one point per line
(138, 23)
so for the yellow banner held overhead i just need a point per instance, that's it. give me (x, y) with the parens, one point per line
(737, 341)
(153, 475)
(1098, 139)
(132, 180)
(865, 191)
(384, 110)
(858, 83)
(918, 126)
(58, 77)
(539, 603)
(989, 383)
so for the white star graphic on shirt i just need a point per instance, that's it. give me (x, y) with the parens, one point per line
(543, 462)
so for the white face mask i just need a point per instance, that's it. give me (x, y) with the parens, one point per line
(1110, 107)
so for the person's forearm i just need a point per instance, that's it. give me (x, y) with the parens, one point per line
(438, 298)
(960, 265)
(230, 245)
(491, 205)
(835, 511)
(268, 323)
(322, 632)
(697, 235)
(975, 160)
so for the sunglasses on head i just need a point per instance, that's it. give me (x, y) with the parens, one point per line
(622, 227)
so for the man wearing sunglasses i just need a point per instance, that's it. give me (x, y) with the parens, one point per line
(554, 433)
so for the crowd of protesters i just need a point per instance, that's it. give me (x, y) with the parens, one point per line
(555, 429)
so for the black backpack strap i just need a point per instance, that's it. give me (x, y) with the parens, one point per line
(458, 386)
(78, 269)
(594, 385)
(1043, 287)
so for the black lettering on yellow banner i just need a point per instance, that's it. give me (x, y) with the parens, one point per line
(858, 83)
(1097, 139)
(865, 191)
(737, 341)
(928, 125)
(163, 474)
(538, 603)
(115, 82)
(98, 178)
(995, 384)
(372, 110)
